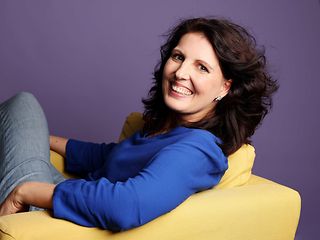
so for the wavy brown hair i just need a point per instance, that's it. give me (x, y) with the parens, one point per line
(235, 117)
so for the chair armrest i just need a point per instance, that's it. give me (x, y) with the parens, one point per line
(261, 210)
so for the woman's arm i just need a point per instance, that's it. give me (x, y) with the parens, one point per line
(170, 177)
(37, 194)
(84, 157)
(58, 144)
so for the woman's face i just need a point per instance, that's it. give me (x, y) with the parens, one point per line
(192, 78)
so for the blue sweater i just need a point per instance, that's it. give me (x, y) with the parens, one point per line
(128, 184)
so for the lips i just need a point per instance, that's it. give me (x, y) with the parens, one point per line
(180, 89)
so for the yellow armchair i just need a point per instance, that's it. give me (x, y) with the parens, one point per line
(241, 206)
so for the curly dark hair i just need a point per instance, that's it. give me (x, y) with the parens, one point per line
(237, 116)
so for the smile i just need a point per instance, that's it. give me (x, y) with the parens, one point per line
(181, 90)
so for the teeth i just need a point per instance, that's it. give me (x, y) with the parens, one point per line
(181, 90)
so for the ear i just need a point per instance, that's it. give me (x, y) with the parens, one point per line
(226, 87)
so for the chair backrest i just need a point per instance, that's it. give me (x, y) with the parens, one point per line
(240, 163)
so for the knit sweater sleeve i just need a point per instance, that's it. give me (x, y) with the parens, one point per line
(84, 157)
(172, 175)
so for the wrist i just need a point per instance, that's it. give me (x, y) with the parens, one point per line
(37, 194)
(19, 193)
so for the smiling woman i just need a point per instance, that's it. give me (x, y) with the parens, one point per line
(190, 84)
(226, 87)
(211, 91)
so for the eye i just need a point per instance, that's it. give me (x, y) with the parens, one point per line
(203, 68)
(177, 57)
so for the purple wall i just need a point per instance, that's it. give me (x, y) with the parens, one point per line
(90, 63)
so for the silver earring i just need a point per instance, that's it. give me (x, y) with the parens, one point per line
(217, 99)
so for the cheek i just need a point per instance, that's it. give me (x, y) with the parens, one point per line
(207, 87)
(203, 85)
(169, 68)
(165, 69)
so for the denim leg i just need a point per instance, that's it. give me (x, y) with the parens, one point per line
(24, 144)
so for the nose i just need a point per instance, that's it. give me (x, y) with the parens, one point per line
(183, 71)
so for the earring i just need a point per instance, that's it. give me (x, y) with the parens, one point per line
(217, 99)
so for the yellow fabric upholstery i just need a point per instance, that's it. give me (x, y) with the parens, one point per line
(239, 169)
(257, 209)
(260, 210)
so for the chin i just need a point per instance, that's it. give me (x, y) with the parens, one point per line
(173, 105)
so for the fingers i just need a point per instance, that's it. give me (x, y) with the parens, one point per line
(12, 204)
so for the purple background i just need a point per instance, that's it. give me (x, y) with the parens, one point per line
(90, 63)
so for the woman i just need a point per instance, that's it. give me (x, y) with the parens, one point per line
(211, 91)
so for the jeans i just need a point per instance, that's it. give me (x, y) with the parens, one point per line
(24, 145)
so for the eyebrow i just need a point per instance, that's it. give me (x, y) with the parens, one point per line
(199, 60)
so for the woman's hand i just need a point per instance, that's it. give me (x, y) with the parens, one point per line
(13, 203)
(37, 194)
(58, 144)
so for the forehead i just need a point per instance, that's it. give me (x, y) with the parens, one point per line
(196, 45)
